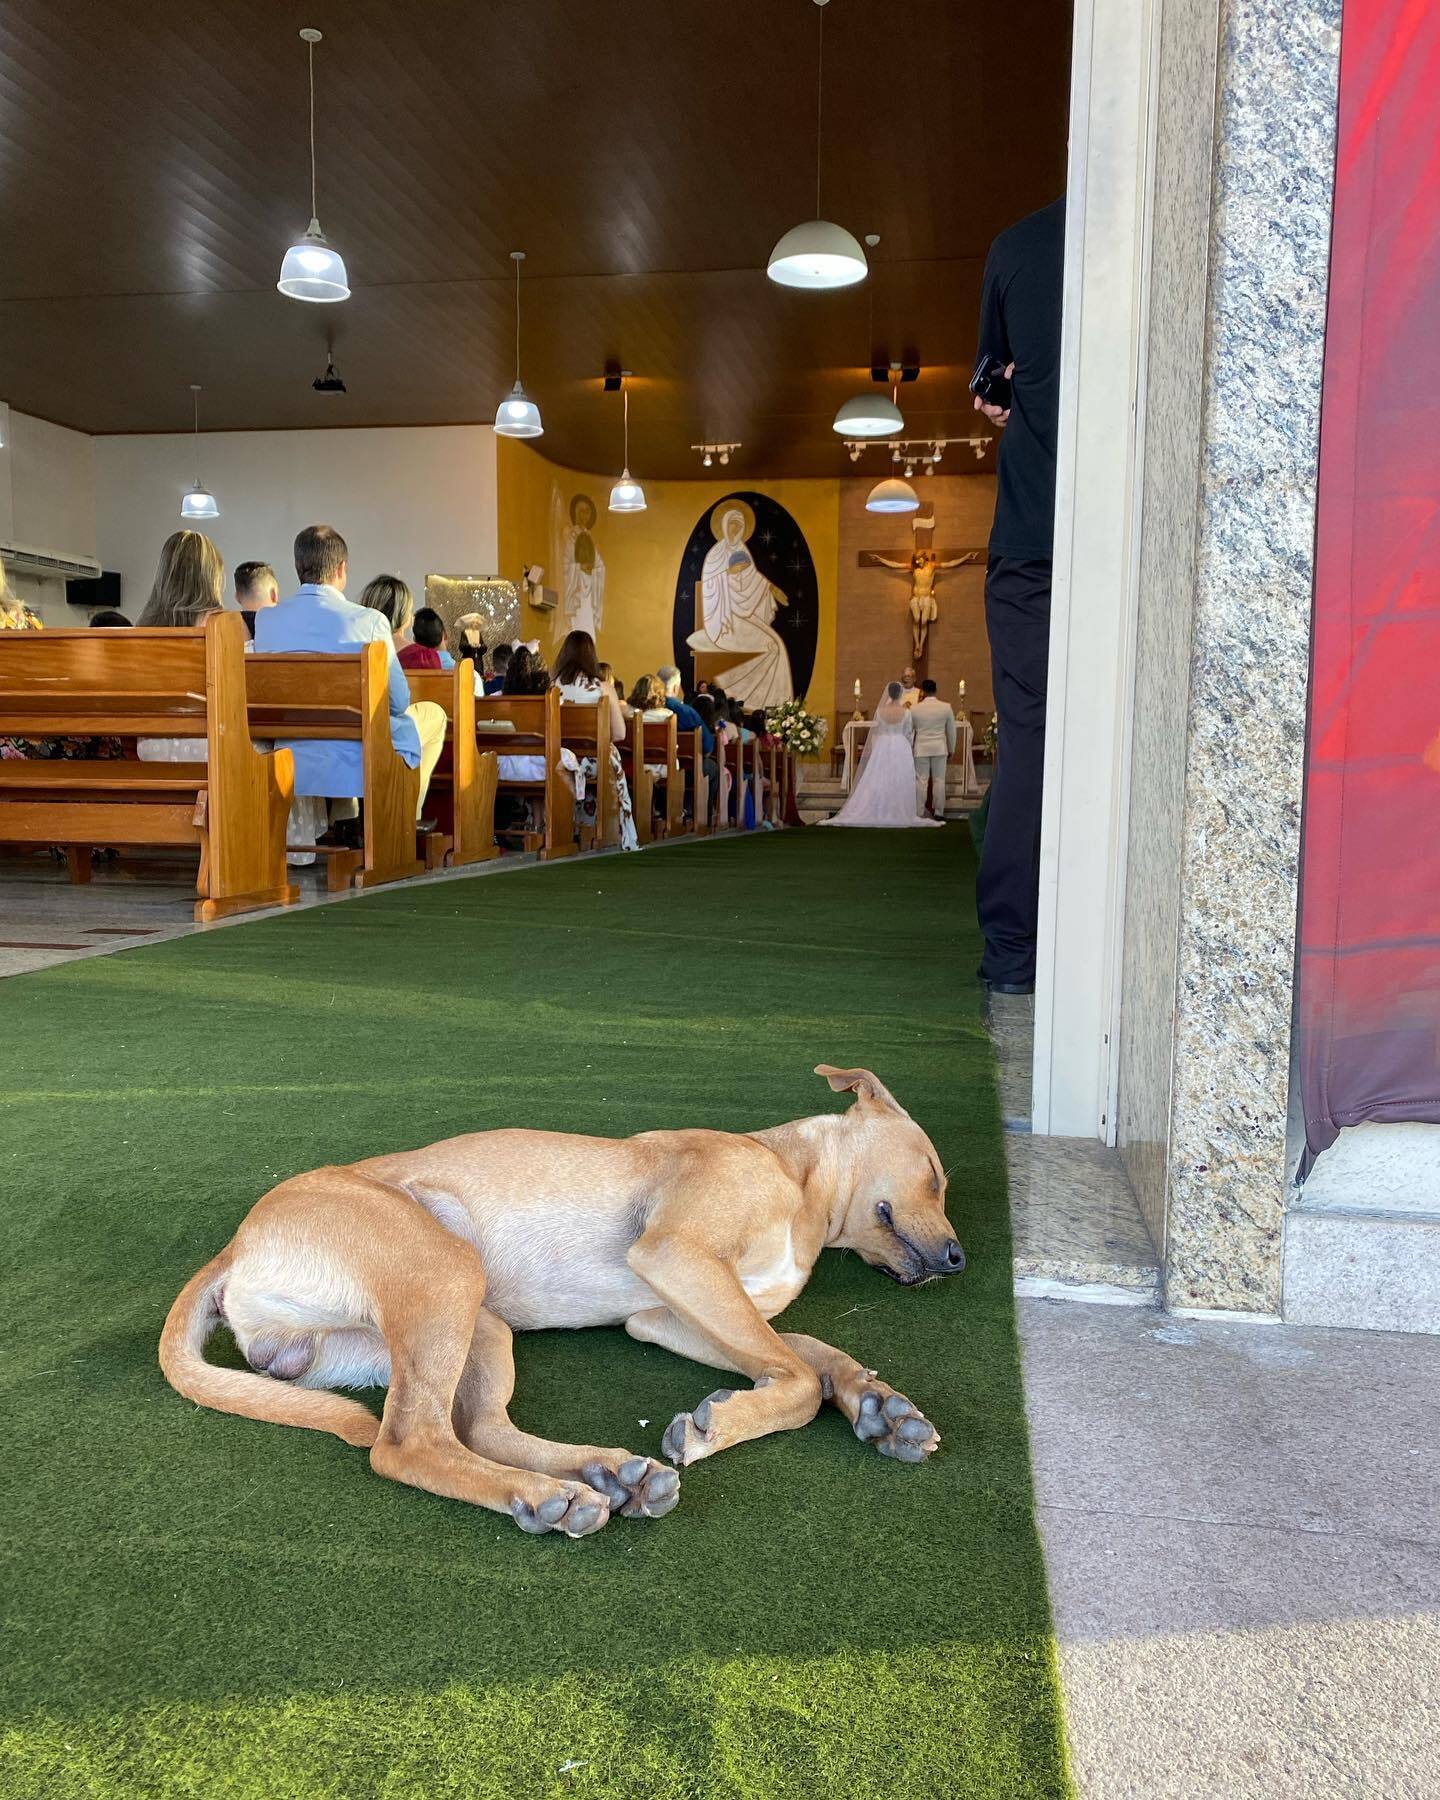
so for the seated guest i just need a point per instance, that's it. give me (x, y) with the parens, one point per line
(255, 589)
(189, 585)
(108, 619)
(578, 677)
(525, 673)
(687, 717)
(648, 698)
(427, 649)
(318, 617)
(499, 662)
(391, 597)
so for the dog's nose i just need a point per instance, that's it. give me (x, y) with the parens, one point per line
(953, 1257)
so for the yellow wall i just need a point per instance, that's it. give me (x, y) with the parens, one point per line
(642, 553)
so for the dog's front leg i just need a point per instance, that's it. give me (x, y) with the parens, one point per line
(710, 1317)
(877, 1414)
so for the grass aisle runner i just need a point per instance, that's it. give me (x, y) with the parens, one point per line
(201, 1605)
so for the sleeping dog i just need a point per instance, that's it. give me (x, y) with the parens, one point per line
(412, 1271)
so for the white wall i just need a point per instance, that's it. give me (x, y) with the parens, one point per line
(1092, 616)
(409, 501)
(47, 502)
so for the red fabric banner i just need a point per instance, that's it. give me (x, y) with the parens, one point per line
(1369, 1003)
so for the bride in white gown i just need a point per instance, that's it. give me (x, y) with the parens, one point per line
(884, 794)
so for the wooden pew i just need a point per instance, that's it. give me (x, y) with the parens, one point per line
(585, 730)
(529, 725)
(305, 696)
(231, 803)
(692, 750)
(770, 763)
(472, 776)
(654, 743)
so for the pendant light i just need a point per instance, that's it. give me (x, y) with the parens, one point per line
(198, 503)
(517, 415)
(817, 254)
(311, 269)
(869, 416)
(892, 496)
(627, 495)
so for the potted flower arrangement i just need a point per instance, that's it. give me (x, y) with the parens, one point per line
(797, 729)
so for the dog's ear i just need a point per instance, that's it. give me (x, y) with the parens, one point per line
(868, 1089)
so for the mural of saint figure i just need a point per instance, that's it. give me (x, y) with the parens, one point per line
(582, 568)
(737, 606)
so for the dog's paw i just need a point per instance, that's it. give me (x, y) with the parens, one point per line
(637, 1488)
(572, 1509)
(689, 1436)
(895, 1427)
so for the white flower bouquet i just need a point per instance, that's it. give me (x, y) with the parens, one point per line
(797, 729)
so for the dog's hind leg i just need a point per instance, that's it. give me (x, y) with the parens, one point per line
(635, 1486)
(877, 1414)
(426, 1307)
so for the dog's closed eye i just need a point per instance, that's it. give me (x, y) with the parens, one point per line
(884, 1213)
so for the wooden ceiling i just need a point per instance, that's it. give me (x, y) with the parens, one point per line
(644, 153)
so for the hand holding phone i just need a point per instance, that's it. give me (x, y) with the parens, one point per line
(991, 386)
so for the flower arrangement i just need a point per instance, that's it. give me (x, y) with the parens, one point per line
(992, 736)
(797, 729)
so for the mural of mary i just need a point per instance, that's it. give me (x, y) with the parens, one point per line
(738, 605)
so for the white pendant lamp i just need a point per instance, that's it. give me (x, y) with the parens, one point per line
(627, 495)
(892, 496)
(817, 254)
(869, 416)
(517, 415)
(311, 269)
(198, 503)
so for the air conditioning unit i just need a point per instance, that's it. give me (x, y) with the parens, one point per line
(49, 565)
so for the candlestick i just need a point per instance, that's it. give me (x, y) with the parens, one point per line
(962, 690)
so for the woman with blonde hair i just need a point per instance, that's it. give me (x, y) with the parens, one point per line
(391, 598)
(189, 582)
(189, 585)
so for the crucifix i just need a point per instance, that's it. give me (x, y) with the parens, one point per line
(922, 566)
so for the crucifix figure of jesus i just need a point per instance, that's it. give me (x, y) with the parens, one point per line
(923, 565)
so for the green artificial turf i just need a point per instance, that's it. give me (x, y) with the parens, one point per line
(202, 1605)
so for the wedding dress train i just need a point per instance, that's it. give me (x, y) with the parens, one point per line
(883, 797)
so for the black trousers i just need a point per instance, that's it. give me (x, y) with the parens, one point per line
(1017, 618)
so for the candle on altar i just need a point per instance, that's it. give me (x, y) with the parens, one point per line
(857, 687)
(962, 692)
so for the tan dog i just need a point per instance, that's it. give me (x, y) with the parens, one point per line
(413, 1270)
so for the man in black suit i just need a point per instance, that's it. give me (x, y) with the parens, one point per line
(1020, 328)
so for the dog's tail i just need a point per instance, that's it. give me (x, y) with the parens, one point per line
(193, 1317)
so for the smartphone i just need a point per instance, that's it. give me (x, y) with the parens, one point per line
(990, 384)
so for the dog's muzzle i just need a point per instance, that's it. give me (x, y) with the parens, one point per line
(949, 1259)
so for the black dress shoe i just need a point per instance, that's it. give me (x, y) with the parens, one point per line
(424, 827)
(1010, 987)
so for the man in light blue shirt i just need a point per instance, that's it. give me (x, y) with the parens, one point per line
(318, 617)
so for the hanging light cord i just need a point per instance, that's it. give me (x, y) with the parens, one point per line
(314, 210)
(195, 396)
(819, 104)
(517, 322)
(625, 397)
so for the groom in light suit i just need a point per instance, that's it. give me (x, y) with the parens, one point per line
(933, 724)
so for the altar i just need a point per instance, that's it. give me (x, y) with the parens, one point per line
(854, 735)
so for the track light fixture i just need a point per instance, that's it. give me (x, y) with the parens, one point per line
(920, 453)
(713, 453)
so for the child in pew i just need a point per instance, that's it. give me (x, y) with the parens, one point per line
(578, 676)
(427, 648)
(525, 674)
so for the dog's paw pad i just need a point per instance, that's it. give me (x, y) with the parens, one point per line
(574, 1511)
(638, 1488)
(684, 1441)
(894, 1426)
